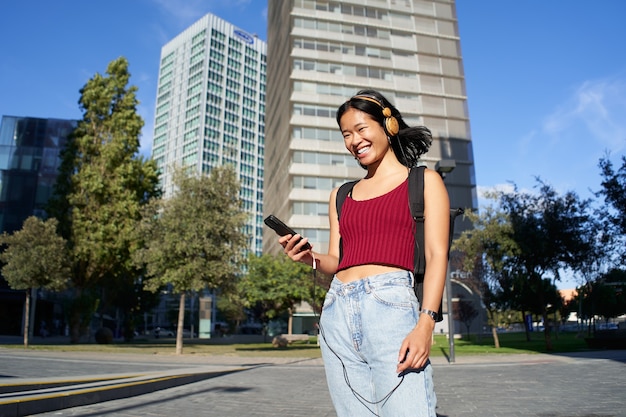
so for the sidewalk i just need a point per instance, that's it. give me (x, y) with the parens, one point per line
(569, 385)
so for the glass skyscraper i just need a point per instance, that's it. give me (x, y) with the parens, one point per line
(29, 162)
(322, 52)
(210, 109)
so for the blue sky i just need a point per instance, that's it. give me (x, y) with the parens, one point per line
(546, 83)
(546, 80)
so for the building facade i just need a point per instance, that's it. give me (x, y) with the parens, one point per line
(29, 161)
(210, 109)
(321, 53)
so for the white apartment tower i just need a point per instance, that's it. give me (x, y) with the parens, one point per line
(321, 52)
(210, 109)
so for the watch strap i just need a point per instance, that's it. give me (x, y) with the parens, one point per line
(432, 314)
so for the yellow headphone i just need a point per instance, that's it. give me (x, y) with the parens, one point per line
(391, 124)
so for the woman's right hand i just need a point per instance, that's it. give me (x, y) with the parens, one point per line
(293, 247)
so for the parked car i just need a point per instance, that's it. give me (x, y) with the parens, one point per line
(163, 332)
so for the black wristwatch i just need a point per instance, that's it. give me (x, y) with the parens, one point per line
(432, 314)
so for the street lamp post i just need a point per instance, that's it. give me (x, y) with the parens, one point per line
(450, 315)
(444, 167)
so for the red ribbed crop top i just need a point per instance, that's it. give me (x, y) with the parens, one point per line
(378, 231)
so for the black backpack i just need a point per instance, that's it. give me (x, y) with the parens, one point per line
(416, 205)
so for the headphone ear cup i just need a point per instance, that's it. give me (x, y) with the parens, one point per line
(392, 126)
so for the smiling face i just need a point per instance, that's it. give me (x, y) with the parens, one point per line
(364, 137)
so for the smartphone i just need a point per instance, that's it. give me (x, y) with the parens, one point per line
(282, 229)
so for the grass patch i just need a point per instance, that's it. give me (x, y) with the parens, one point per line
(299, 349)
(511, 343)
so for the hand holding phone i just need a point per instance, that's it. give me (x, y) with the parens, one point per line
(282, 229)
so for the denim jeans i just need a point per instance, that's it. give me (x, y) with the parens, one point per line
(362, 326)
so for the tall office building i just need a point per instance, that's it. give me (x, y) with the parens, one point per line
(210, 109)
(321, 53)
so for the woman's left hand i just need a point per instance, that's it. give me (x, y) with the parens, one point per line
(415, 349)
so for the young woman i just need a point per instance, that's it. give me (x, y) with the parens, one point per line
(375, 337)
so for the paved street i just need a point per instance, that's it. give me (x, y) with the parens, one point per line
(576, 385)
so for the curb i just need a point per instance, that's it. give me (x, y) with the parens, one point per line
(33, 396)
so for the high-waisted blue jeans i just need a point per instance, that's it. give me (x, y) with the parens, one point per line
(362, 326)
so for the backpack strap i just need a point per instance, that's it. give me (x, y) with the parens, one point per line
(416, 205)
(343, 191)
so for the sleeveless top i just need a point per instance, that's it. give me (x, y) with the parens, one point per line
(378, 231)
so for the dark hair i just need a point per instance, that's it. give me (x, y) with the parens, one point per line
(411, 142)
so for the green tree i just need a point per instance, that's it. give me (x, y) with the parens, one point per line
(485, 251)
(609, 291)
(547, 228)
(614, 193)
(194, 240)
(594, 261)
(34, 257)
(102, 185)
(275, 284)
